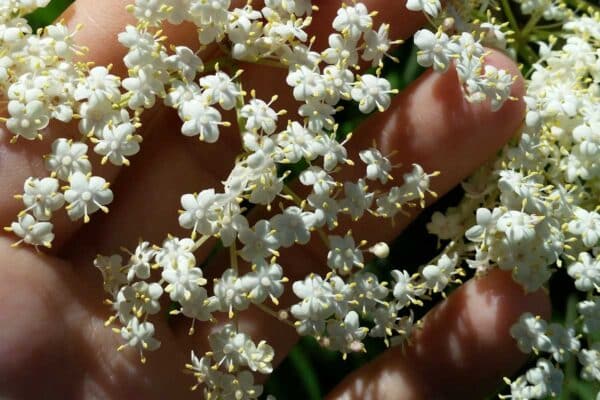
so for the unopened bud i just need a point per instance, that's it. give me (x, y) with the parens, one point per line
(381, 250)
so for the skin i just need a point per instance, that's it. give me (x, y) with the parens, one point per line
(53, 342)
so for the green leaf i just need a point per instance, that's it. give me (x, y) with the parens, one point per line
(47, 15)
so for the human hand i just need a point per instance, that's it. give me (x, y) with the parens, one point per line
(54, 342)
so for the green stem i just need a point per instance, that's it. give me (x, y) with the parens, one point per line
(305, 373)
(583, 5)
(531, 24)
(511, 17)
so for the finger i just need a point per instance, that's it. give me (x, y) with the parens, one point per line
(53, 335)
(462, 351)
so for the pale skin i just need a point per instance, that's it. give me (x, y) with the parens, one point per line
(53, 342)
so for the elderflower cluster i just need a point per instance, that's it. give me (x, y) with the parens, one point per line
(536, 209)
(533, 212)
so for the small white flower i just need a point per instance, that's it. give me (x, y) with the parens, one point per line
(200, 119)
(307, 84)
(140, 335)
(343, 254)
(587, 225)
(66, 158)
(377, 45)
(259, 243)
(41, 197)
(26, 120)
(292, 226)
(437, 276)
(98, 86)
(431, 7)
(372, 92)
(231, 293)
(117, 142)
(266, 280)
(586, 272)
(86, 195)
(176, 253)
(32, 232)
(352, 21)
(182, 282)
(220, 89)
(357, 198)
(435, 49)
(378, 166)
(140, 261)
(347, 335)
(259, 116)
(198, 213)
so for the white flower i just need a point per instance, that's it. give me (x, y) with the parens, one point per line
(587, 225)
(186, 62)
(341, 50)
(32, 232)
(372, 92)
(26, 120)
(292, 226)
(198, 213)
(486, 224)
(259, 116)
(367, 292)
(140, 335)
(590, 311)
(352, 21)
(259, 243)
(586, 272)
(590, 360)
(377, 45)
(316, 298)
(231, 293)
(220, 89)
(140, 261)
(307, 84)
(358, 199)
(117, 142)
(539, 382)
(530, 333)
(437, 276)
(347, 335)
(517, 226)
(41, 197)
(266, 280)
(98, 86)
(200, 119)
(378, 166)
(343, 254)
(86, 195)
(176, 253)
(319, 115)
(405, 291)
(435, 49)
(66, 158)
(319, 179)
(563, 342)
(182, 282)
(431, 7)
(259, 357)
